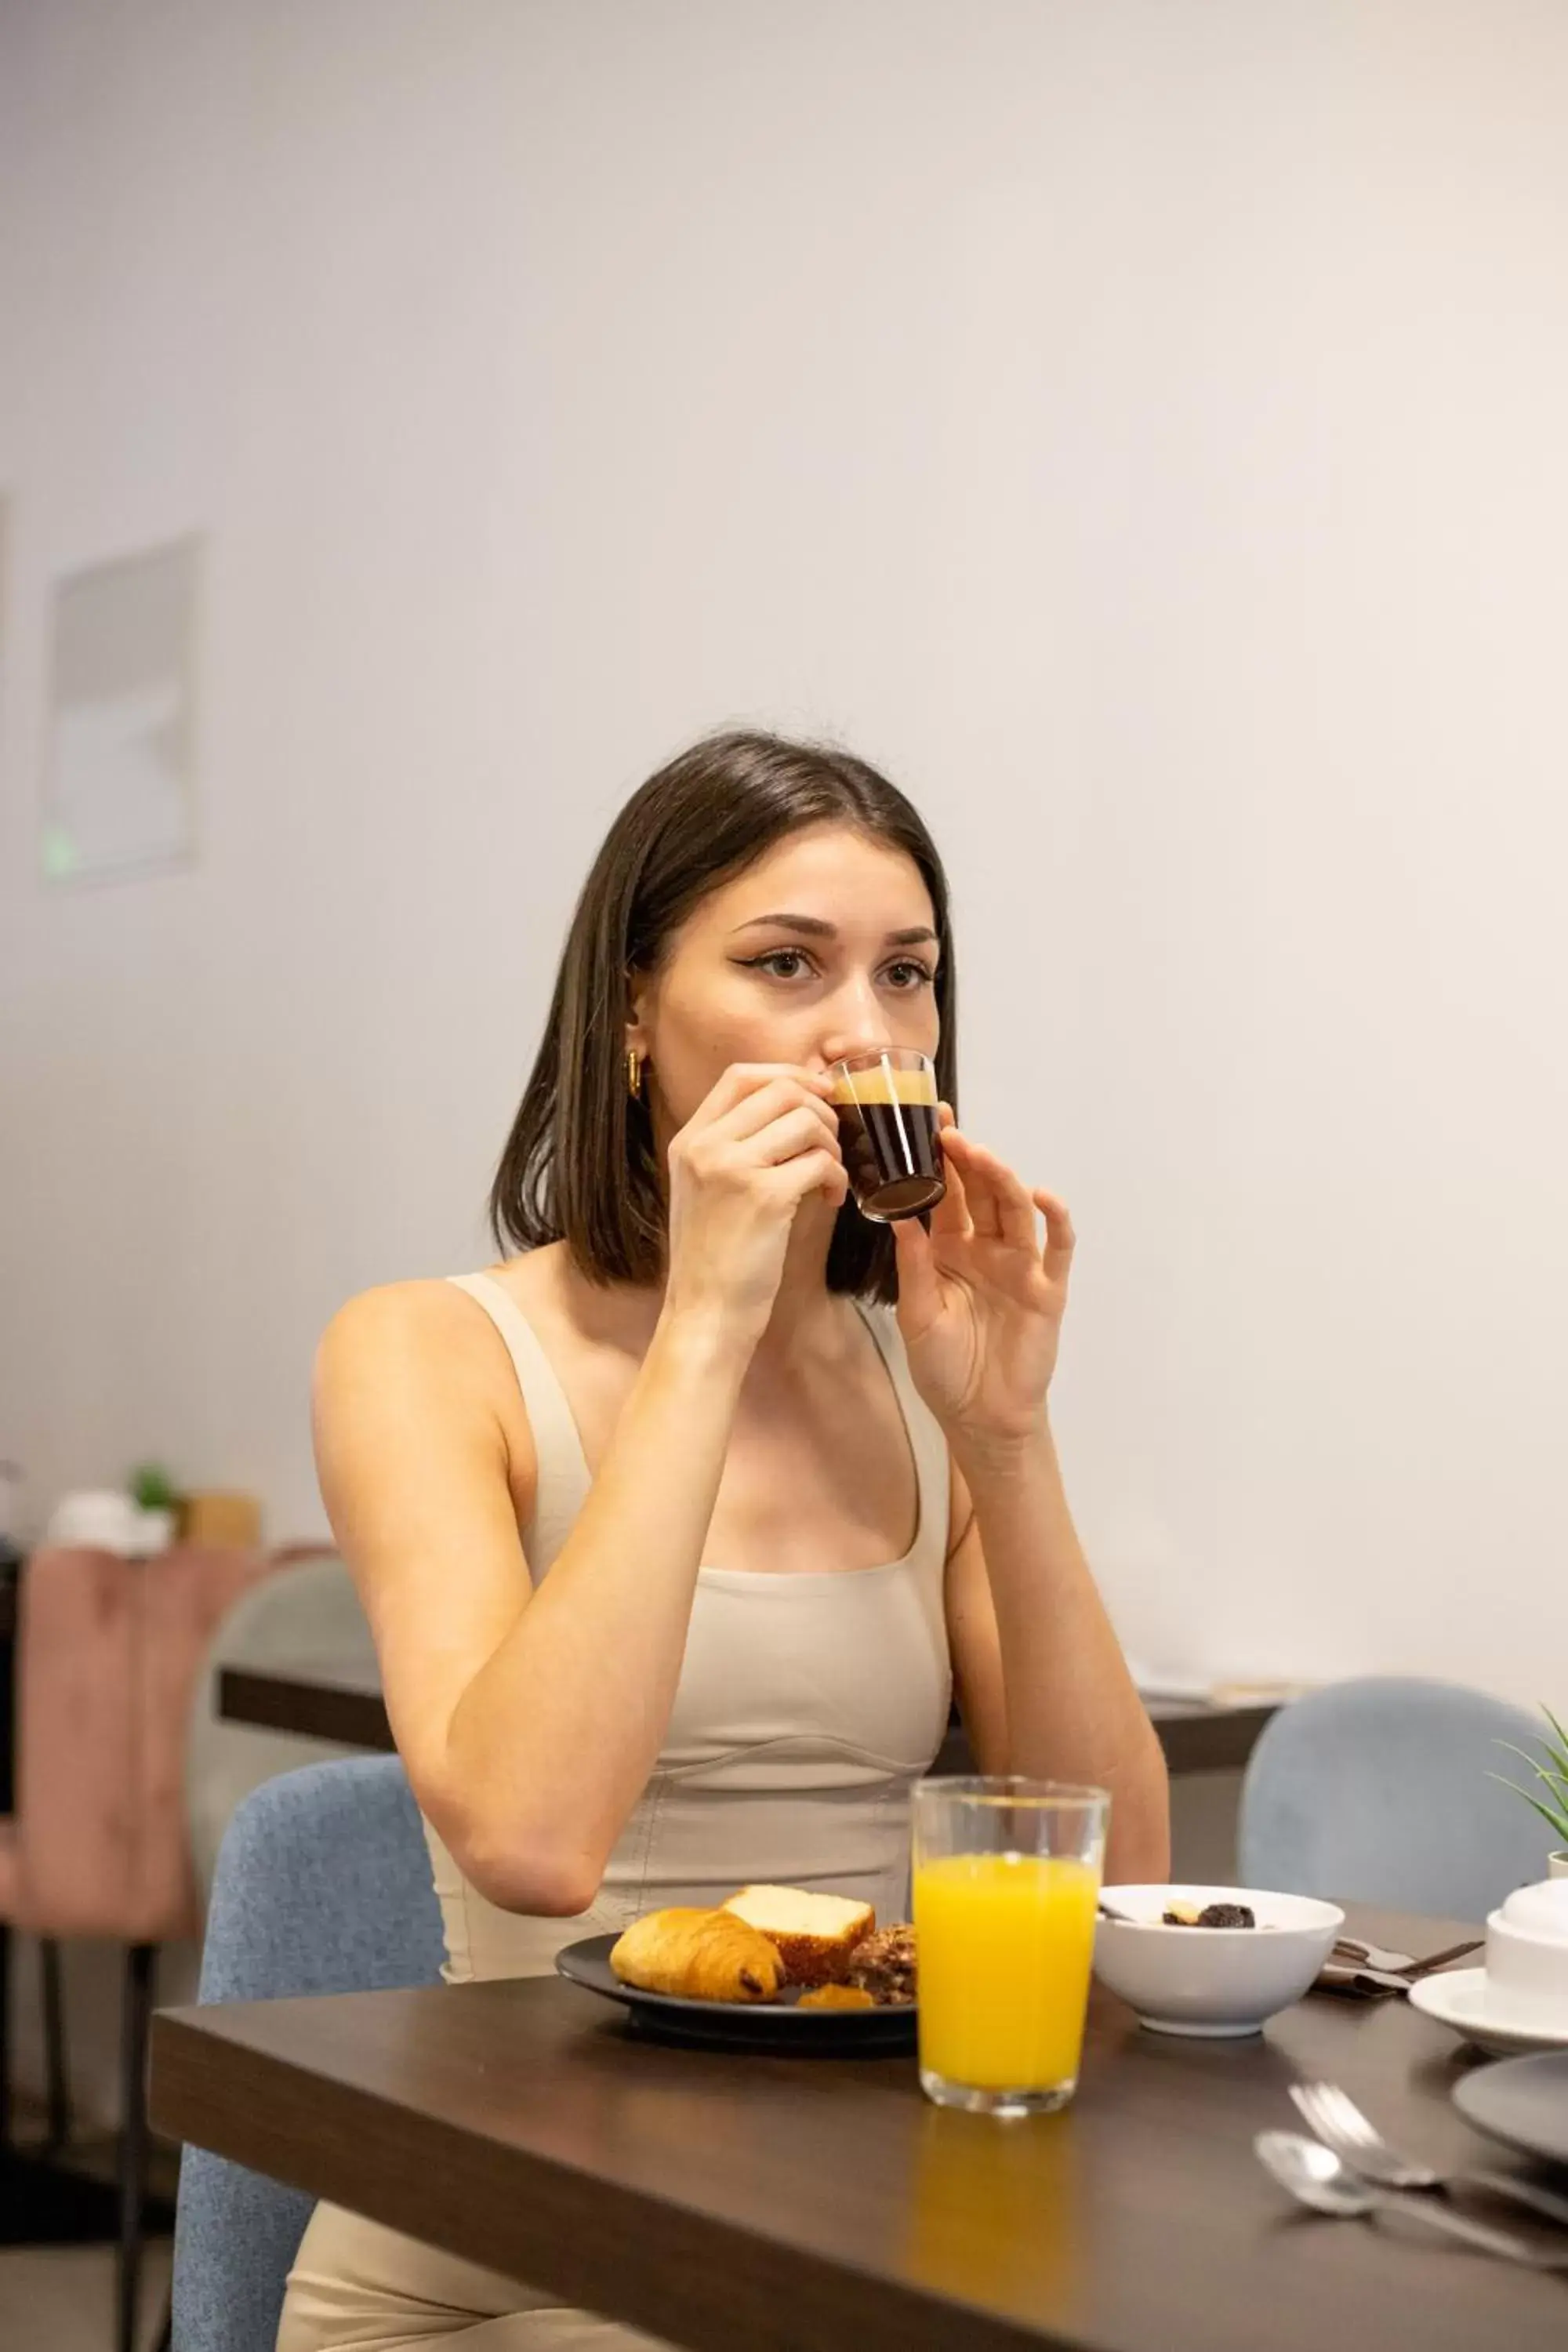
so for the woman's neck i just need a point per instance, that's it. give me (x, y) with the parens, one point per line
(806, 1316)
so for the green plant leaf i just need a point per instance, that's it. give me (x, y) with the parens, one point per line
(1559, 1754)
(1541, 1771)
(1556, 1822)
(152, 1488)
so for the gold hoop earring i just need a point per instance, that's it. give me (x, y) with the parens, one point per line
(633, 1074)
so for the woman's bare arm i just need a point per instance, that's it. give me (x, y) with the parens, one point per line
(1042, 1683)
(529, 1722)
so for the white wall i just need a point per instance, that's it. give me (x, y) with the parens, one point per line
(1140, 427)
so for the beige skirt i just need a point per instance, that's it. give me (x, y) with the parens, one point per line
(356, 2284)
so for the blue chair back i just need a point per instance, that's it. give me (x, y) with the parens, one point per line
(1377, 1790)
(322, 1885)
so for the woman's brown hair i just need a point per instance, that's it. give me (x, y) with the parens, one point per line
(580, 1163)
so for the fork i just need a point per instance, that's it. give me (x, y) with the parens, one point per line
(1339, 2124)
(1395, 1964)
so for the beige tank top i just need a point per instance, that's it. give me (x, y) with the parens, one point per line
(806, 1709)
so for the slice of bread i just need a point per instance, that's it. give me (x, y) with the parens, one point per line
(815, 1936)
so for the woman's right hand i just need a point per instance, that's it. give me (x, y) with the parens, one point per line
(763, 1141)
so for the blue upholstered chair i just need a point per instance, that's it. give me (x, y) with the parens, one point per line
(322, 1885)
(307, 1608)
(1377, 1790)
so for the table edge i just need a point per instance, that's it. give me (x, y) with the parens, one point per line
(1198, 1739)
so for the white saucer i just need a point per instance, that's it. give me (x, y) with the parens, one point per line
(1457, 1998)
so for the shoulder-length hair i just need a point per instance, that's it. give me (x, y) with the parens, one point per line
(580, 1163)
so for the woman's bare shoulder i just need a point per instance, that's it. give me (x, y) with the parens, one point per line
(397, 1317)
(425, 1356)
(433, 1347)
(429, 1313)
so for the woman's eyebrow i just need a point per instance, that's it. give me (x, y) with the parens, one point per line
(814, 928)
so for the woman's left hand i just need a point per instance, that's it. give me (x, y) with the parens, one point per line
(980, 1302)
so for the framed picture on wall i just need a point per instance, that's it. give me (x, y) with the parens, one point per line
(119, 783)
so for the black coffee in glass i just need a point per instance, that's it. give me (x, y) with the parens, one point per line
(887, 1109)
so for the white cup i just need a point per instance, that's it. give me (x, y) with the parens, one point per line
(1527, 1957)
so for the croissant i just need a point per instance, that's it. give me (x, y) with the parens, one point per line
(697, 1955)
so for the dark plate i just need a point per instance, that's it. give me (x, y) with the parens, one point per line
(776, 2025)
(1523, 2102)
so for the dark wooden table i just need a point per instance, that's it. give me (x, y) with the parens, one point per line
(786, 2205)
(321, 1700)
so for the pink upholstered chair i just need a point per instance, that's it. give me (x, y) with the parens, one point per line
(107, 1653)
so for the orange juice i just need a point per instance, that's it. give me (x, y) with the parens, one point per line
(1004, 1943)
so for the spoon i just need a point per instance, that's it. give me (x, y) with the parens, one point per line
(1123, 1918)
(1314, 2175)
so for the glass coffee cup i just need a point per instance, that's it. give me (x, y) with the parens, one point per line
(886, 1105)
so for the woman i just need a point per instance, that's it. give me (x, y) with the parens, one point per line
(674, 1541)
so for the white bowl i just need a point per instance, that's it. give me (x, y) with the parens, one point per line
(1213, 1981)
(1527, 1975)
(1541, 1910)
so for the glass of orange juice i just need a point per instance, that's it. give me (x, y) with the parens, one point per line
(1006, 1877)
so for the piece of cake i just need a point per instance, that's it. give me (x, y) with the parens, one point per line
(885, 1966)
(815, 1936)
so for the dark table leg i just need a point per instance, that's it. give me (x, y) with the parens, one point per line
(5, 2039)
(59, 2106)
(138, 2000)
(9, 1577)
